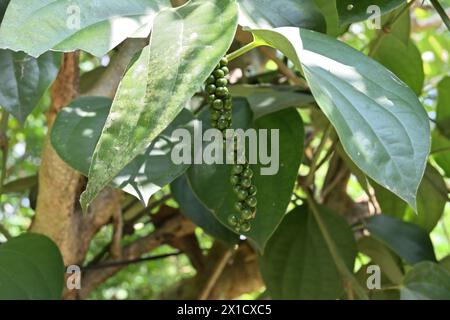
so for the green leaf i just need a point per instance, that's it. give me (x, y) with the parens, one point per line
(408, 240)
(211, 182)
(329, 11)
(297, 263)
(31, 267)
(403, 59)
(264, 100)
(443, 107)
(379, 120)
(53, 24)
(3, 6)
(440, 151)
(353, 11)
(281, 13)
(77, 129)
(426, 281)
(24, 80)
(191, 207)
(431, 200)
(186, 45)
(382, 256)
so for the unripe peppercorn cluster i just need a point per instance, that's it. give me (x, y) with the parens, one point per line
(220, 103)
(219, 98)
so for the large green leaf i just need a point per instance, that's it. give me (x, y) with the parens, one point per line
(24, 79)
(267, 99)
(186, 45)
(408, 240)
(443, 107)
(380, 122)
(297, 263)
(354, 11)
(3, 6)
(192, 208)
(78, 127)
(50, 24)
(211, 182)
(426, 281)
(431, 200)
(31, 267)
(281, 13)
(441, 151)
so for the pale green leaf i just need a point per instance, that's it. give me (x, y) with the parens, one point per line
(186, 45)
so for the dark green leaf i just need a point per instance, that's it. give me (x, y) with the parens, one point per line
(431, 200)
(24, 79)
(180, 57)
(297, 263)
(78, 127)
(379, 120)
(381, 255)
(268, 99)
(211, 182)
(426, 281)
(408, 240)
(3, 5)
(281, 13)
(353, 11)
(192, 208)
(329, 11)
(31, 267)
(53, 24)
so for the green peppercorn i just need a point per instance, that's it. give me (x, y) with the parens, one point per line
(239, 206)
(252, 190)
(247, 173)
(234, 180)
(225, 70)
(220, 91)
(227, 115)
(223, 62)
(217, 104)
(245, 182)
(227, 104)
(237, 169)
(214, 124)
(242, 194)
(211, 98)
(222, 124)
(233, 220)
(210, 88)
(251, 201)
(211, 80)
(215, 115)
(221, 82)
(246, 214)
(245, 226)
(219, 73)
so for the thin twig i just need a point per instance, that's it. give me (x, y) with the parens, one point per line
(314, 162)
(3, 147)
(441, 13)
(351, 283)
(217, 271)
(132, 261)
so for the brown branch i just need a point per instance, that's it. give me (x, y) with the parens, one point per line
(216, 273)
(175, 227)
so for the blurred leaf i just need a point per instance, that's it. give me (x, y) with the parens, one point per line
(426, 281)
(329, 11)
(20, 185)
(24, 80)
(77, 129)
(166, 75)
(281, 13)
(31, 267)
(379, 120)
(353, 11)
(92, 26)
(431, 200)
(404, 60)
(409, 241)
(297, 263)
(441, 151)
(192, 208)
(211, 182)
(443, 107)
(3, 5)
(264, 100)
(382, 256)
